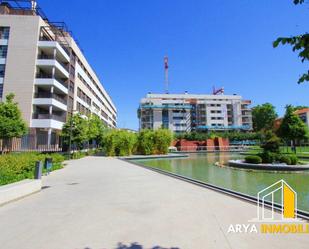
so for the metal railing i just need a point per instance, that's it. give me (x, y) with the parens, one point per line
(51, 57)
(49, 116)
(197, 148)
(47, 95)
(50, 76)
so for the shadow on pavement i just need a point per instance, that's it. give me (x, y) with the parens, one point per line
(137, 246)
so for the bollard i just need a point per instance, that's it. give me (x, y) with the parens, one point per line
(48, 165)
(38, 170)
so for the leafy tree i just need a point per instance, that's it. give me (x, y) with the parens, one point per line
(292, 127)
(263, 117)
(272, 142)
(96, 129)
(119, 143)
(11, 122)
(299, 107)
(299, 43)
(162, 139)
(75, 128)
(146, 142)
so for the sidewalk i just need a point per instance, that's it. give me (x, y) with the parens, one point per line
(99, 202)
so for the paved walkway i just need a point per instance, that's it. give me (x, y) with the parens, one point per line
(100, 202)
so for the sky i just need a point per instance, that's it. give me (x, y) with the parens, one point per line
(220, 43)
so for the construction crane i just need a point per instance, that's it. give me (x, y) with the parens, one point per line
(217, 91)
(166, 73)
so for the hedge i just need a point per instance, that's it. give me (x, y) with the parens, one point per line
(146, 142)
(19, 166)
(253, 159)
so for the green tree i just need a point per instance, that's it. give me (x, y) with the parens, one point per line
(76, 129)
(11, 121)
(119, 143)
(145, 142)
(292, 127)
(299, 107)
(162, 139)
(96, 129)
(263, 117)
(299, 43)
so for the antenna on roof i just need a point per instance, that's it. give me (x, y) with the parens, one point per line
(166, 73)
(33, 5)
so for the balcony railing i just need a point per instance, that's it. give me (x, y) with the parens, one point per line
(47, 95)
(51, 57)
(49, 76)
(49, 116)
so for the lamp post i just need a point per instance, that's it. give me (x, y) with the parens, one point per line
(70, 136)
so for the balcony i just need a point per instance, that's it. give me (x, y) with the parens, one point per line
(50, 45)
(49, 116)
(48, 99)
(44, 95)
(46, 61)
(46, 124)
(48, 80)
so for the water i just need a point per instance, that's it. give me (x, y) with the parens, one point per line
(202, 167)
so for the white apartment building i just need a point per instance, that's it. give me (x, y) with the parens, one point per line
(41, 63)
(191, 112)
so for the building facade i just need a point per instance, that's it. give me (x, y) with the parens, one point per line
(41, 63)
(194, 112)
(303, 114)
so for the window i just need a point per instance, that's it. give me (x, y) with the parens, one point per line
(2, 70)
(4, 33)
(1, 90)
(71, 86)
(3, 51)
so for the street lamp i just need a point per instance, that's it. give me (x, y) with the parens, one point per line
(70, 136)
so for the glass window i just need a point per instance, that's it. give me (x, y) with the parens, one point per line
(4, 32)
(2, 70)
(3, 51)
(1, 90)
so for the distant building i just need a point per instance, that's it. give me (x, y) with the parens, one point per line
(303, 114)
(195, 112)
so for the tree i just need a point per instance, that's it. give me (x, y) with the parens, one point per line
(119, 143)
(299, 107)
(11, 121)
(145, 141)
(263, 117)
(162, 140)
(96, 129)
(76, 129)
(292, 127)
(299, 43)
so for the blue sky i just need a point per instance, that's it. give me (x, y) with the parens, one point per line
(222, 43)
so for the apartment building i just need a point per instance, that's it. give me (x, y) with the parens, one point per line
(195, 112)
(42, 64)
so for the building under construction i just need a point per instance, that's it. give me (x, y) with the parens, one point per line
(195, 112)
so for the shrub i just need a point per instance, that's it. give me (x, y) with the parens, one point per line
(272, 143)
(119, 143)
(294, 160)
(253, 159)
(18, 166)
(145, 142)
(78, 155)
(162, 140)
(285, 159)
(268, 157)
